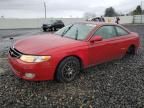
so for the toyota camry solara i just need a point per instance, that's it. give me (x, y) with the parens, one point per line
(60, 56)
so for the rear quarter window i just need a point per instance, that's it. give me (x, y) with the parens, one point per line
(107, 31)
(121, 31)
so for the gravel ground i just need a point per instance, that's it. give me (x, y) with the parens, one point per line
(116, 84)
(6, 35)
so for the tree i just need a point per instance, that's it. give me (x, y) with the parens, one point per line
(88, 15)
(137, 11)
(2, 16)
(110, 12)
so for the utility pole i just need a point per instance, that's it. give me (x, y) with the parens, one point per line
(141, 12)
(45, 9)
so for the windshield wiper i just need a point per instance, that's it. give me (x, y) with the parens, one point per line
(76, 35)
(65, 31)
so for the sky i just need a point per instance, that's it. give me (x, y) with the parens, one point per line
(62, 8)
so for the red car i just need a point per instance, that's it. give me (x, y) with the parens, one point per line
(63, 54)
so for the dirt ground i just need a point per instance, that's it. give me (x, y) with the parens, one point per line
(116, 84)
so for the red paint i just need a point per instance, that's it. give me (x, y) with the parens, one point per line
(88, 51)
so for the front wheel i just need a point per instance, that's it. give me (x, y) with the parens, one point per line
(68, 69)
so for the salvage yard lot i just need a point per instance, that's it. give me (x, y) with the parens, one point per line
(116, 84)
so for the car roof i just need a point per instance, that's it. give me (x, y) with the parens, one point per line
(97, 23)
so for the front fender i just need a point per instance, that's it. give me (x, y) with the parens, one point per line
(81, 53)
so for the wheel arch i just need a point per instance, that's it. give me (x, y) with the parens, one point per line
(79, 58)
(133, 47)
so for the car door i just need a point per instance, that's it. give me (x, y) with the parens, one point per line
(59, 24)
(122, 40)
(55, 25)
(102, 51)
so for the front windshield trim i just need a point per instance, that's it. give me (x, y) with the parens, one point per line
(69, 37)
(66, 30)
(71, 30)
(73, 38)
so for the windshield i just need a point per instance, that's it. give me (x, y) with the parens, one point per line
(76, 31)
(51, 21)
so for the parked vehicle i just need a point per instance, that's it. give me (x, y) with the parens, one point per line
(97, 19)
(63, 54)
(53, 25)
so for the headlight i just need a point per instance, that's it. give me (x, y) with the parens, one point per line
(36, 59)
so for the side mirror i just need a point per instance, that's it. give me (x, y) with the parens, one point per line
(96, 38)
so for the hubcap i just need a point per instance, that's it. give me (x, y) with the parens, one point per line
(70, 70)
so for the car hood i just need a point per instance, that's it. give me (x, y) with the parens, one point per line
(42, 44)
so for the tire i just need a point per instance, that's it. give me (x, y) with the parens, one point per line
(68, 69)
(54, 29)
(131, 50)
(44, 30)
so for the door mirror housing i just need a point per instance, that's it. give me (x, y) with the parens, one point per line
(96, 38)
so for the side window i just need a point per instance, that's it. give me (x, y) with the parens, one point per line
(59, 22)
(106, 32)
(121, 31)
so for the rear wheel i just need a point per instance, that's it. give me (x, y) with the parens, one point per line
(52, 29)
(68, 69)
(131, 50)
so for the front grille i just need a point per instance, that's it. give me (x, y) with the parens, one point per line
(14, 53)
